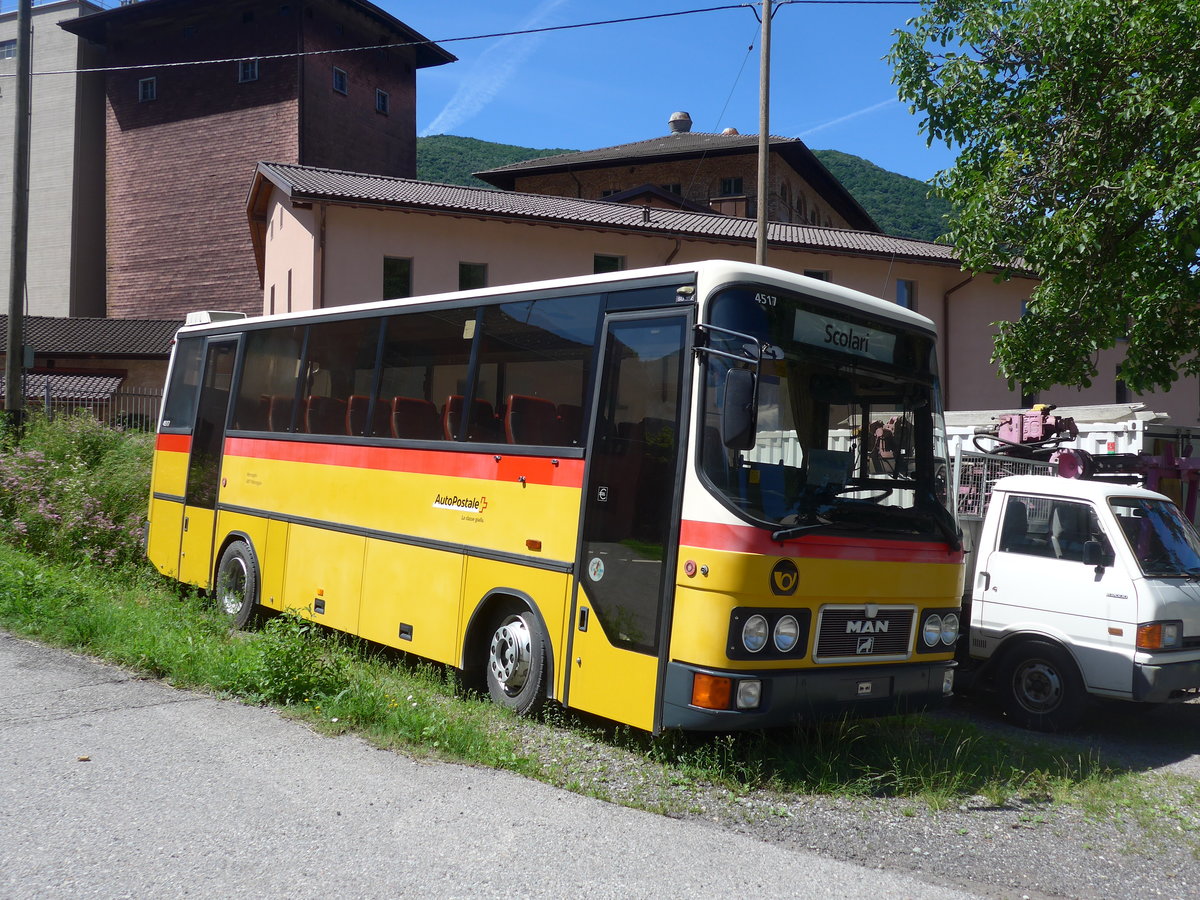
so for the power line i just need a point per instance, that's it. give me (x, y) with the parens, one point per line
(474, 37)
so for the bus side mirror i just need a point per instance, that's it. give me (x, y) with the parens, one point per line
(739, 413)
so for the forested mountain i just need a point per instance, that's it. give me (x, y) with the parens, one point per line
(898, 203)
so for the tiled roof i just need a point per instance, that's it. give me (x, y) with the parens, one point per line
(305, 183)
(69, 387)
(687, 143)
(694, 145)
(52, 335)
(98, 26)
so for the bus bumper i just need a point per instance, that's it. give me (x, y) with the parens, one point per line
(809, 695)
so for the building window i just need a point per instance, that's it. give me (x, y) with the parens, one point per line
(147, 89)
(731, 187)
(341, 83)
(1122, 393)
(382, 102)
(472, 276)
(603, 262)
(676, 189)
(397, 277)
(247, 70)
(8, 49)
(819, 274)
(906, 293)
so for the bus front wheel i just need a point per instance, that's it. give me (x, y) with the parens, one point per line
(516, 663)
(237, 585)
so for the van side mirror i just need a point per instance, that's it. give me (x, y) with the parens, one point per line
(1094, 555)
(739, 410)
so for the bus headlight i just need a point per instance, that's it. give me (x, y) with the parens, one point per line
(931, 632)
(787, 632)
(754, 633)
(749, 693)
(949, 629)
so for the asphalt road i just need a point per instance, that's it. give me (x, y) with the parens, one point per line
(118, 787)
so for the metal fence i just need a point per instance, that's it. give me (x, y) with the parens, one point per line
(975, 473)
(133, 409)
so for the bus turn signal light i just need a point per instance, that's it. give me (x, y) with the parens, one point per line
(711, 691)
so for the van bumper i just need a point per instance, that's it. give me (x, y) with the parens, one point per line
(809, 695)
(1166, 682)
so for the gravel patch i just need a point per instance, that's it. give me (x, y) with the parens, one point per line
(1025, 847)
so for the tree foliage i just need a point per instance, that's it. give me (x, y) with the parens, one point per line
(1078, 123)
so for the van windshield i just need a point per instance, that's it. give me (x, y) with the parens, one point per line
(1164, 542)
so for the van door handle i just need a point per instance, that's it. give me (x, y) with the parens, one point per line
(987, 580)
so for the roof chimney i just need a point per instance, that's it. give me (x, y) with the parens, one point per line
(680, 123)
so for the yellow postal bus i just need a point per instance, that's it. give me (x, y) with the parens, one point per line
(705, 496)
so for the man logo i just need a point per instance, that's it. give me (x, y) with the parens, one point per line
(784, 578)
(865, 645)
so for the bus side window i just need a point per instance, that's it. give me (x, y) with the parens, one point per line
(267, 389)
(424, 361)
(340, 364)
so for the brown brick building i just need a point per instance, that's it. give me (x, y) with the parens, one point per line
(696, 171)
(183, 140)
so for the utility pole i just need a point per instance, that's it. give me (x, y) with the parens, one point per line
(764, 132)
(14, 388)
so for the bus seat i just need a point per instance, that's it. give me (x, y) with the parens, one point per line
(324, 415)
(415, 419)
(356, 417)
(570, 418)
(279, 412)
(485, 427)
(531, 420)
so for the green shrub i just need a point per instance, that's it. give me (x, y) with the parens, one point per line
(74, 489)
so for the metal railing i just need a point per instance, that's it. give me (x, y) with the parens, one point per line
(133, 409)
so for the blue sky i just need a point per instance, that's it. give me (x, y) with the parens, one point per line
(595, 87)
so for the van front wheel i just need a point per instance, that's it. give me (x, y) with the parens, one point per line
(1042, 688)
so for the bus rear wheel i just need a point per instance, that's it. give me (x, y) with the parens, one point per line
(516, 663)
(236, 590)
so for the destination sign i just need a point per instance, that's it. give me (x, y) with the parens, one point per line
(846, 337)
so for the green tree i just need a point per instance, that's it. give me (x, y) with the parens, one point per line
(1078, 123)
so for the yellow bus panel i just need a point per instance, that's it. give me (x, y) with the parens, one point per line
(166, 529)
(411, 599)
(324, 576)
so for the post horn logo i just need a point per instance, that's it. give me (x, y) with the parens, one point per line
(784, 578)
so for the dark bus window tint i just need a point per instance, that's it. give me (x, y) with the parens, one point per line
(643, 298)
(179, 407)
(338, 376)
(424, 372)
(534, 368)
(267, 389)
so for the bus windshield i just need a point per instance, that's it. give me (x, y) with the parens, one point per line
(849, 434)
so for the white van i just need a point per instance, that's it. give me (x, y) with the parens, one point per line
(1083, 587)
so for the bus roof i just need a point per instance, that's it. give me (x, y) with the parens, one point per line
(706, 274)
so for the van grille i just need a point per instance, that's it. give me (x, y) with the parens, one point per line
(847, 632)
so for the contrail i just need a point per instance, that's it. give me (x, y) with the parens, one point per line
(490, 73)
(846, 118)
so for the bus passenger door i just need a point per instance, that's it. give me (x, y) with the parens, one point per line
(204, 463)
(620, 619)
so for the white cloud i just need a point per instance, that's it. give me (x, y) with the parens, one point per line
(846, 118)
(491, 72)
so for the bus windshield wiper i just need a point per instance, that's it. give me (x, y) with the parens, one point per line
(786, 534)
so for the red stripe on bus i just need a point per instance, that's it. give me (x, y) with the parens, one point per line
(482, 465)
(174, 443)
(748, 539)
